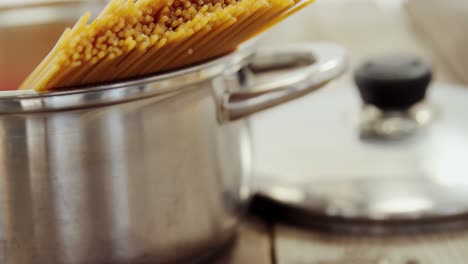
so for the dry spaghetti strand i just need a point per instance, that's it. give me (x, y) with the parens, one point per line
(131, 38)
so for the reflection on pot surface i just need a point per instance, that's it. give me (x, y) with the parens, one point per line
(137, 180)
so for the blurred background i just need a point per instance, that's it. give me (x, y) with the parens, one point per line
(432, 28)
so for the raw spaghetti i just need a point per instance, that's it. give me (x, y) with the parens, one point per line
(132, 38)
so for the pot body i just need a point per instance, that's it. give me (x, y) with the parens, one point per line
(153, 170)
(153, 178)
(146, 181)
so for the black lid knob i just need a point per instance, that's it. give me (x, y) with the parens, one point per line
(393, 82)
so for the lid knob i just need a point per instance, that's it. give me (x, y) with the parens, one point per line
(394, 82)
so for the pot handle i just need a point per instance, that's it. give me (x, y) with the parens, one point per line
(304, 69)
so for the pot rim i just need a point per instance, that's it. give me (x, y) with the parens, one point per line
(20, 101)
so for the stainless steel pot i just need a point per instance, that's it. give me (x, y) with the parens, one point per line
(153, 170)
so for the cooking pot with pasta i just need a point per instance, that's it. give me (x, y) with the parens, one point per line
(148, 170)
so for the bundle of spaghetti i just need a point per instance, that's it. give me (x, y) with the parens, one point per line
(132, 38)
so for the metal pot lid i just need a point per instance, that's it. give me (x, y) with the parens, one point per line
(392, 147)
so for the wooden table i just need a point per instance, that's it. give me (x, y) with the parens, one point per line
(431, 28)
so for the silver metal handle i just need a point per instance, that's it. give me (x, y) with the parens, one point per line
(308, 67)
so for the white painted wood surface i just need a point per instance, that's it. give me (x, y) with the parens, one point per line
(253, 245)
(294, 246)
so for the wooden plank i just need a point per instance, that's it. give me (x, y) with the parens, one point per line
(296, 246)
(253, 245)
